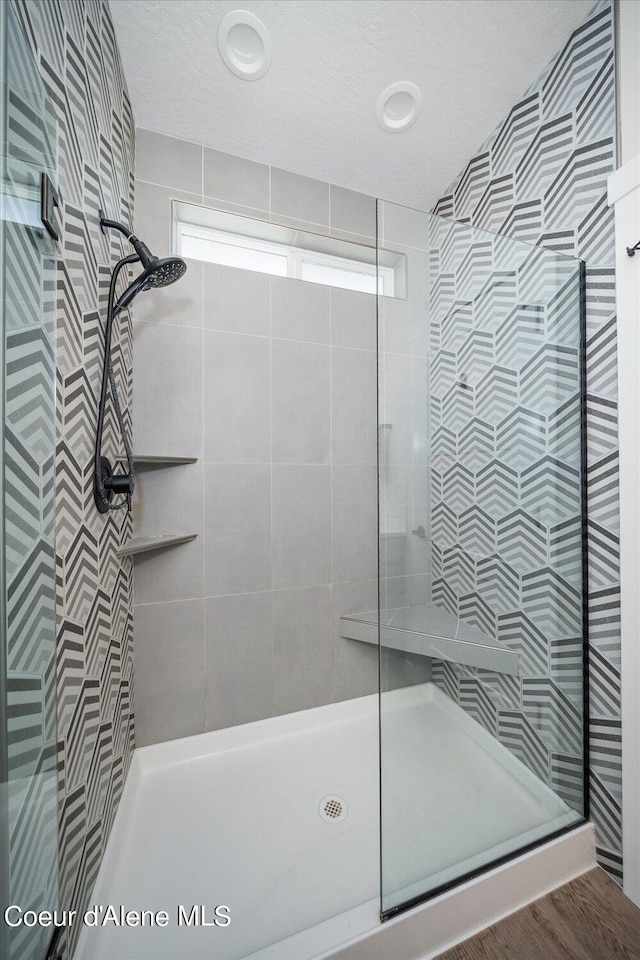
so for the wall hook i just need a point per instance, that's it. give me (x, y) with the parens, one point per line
(631, 251)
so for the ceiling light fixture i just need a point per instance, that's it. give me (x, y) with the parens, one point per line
(399, 107)
(244, 44)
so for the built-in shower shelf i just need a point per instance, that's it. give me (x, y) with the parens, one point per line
(431, 631)
(159, 461)
(144, 544)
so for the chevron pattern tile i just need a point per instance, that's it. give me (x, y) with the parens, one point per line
(69, 51)
(505, 475)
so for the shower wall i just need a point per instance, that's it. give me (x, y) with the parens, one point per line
(541, 177)
(271, 384)
(76, 51)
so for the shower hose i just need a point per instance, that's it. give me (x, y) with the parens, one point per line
(108, 379)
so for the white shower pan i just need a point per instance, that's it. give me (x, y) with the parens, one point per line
(234, 818)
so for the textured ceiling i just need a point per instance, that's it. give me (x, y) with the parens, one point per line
(314, 112)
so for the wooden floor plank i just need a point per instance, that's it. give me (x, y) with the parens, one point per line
(587, 919)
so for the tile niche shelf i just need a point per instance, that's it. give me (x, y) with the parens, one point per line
(145, 544)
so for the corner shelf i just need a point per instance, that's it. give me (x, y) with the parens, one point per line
(137, 545)
(144, 460)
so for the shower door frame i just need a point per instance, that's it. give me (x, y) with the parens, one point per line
(4, 745)
(391, 912)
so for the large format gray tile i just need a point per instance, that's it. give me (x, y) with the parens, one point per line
(404, 326)
(355, 528)
(153, 218)
(168, 161)
(353, 319)
(405, 591)
(301, 402)
(239, 659)
(236, 300)
(404, 508)
(170, 500)
(301, 648)
(237, 528)
(236, 180)
(179, 304)
(404, 384)
(353, 405)
(237, 398)
(167, 389)
(353, 212)
(299, 310)
(169, 655)
(301, 525)
(254, 213)
(404, 227)
(293, 195)
(355, 665)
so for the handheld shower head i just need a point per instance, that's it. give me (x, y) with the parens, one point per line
(156, 272)
(159, 273)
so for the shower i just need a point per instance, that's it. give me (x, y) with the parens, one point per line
(157, 272)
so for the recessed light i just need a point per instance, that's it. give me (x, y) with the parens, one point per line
(244, 44)
(399, 107)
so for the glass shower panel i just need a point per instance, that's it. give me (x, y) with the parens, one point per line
(481, 552)
(28, 751)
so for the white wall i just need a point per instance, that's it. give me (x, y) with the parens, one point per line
(624, 192)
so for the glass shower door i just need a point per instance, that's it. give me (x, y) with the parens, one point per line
(481, 552)
(28, 749)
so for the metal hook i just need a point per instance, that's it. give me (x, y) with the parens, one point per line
(631, 251)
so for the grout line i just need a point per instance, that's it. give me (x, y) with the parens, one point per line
(268, 592)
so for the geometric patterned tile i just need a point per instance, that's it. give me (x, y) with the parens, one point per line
(541, 177)
(76, 54)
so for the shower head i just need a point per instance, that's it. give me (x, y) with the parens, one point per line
(157, 272)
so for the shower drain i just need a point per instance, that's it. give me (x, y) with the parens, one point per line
(333, 809)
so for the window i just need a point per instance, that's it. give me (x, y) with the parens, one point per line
(235, 241)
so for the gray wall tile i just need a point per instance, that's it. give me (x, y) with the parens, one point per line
(170, 660)
(299, 310)
(167, 407)
(355, 665)
(300, 197)
(353, 406)
(354, 509)
(403, 397)
(169, 500)
(239, 659)
(301, 648)
(179, 304)
(236, 180)
(301, 525)
(353, 319)
(153, 221)
(301, 402)
(237, 521)
(236, 301)
(237, 396)
(168, 161)
(257, 334)
(353, 212)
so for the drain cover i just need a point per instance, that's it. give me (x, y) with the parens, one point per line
(333, 809)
